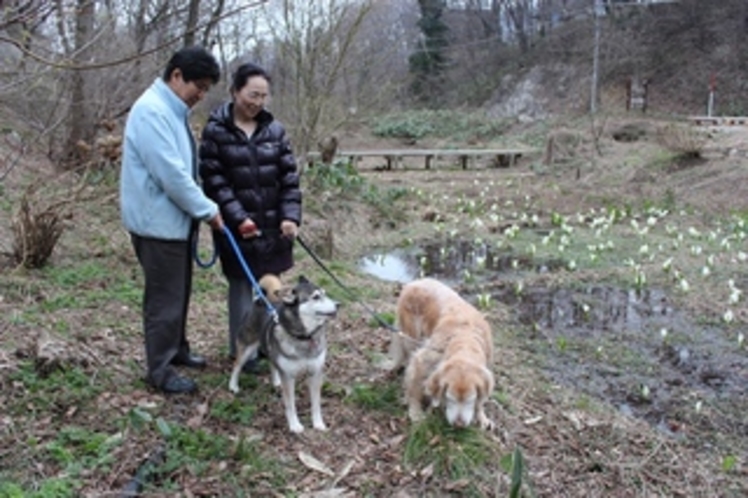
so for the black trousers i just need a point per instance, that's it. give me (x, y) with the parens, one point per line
(167, 268)
(239, 304)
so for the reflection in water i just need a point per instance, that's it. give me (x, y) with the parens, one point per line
(393, 267)
(450, 260)
(596, 308)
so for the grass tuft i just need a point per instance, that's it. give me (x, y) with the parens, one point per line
(452, 453)
(383, 398)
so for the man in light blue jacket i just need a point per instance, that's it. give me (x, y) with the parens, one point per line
(162, 204)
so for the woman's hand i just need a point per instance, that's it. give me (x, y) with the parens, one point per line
(289, 229)
(248, 229)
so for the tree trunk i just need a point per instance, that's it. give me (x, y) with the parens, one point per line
(80, 122)
(193, 15)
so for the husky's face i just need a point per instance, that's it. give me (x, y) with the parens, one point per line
(313, 306)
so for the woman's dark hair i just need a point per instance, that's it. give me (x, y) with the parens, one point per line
(196, 63)
(244, 72)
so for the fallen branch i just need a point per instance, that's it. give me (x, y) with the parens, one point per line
(135, 486)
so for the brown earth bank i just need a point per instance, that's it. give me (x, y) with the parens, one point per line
(79, 421)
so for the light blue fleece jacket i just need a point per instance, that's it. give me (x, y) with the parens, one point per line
(159, 194)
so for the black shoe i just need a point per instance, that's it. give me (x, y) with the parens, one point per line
(252, 367)
(178, 385)
(190, 361)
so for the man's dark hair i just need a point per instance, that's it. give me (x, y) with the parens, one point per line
(196, 63)
(244, 72)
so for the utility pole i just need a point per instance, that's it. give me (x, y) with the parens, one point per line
(596, 6)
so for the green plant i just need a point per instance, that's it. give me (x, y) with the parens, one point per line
(198, 450)
(387, 317)
(49, 488)
(385, 398)
(89, 284)
(728, 463)
(341, 176)
(429, 61)
(233, 410)
(668, 200)
(342, 181)
(456, 126)
(77, 449)
(413, 125)
(56, 390)
(454, 453)
(514, 465)
(562, 343)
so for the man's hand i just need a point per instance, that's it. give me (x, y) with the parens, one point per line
(248, 229)
(216, 222)
(289, 229)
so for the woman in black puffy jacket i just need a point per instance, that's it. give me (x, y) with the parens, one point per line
(248, 168)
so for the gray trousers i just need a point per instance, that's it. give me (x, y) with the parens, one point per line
(239, 304)
(167, 268)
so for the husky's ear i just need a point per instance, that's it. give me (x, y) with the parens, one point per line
(290, 297)
(303, 279)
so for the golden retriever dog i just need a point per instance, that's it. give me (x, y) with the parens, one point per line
(448, 348)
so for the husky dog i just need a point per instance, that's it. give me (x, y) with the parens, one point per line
(295, 343)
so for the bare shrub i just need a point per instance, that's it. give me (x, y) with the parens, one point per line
(318, 236)
(682, 140)
(327, 148)
(40, 219)
(562, 145)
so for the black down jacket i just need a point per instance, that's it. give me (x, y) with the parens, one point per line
(251, 177)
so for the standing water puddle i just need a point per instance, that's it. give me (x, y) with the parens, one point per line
(448, 262)
(631, 348)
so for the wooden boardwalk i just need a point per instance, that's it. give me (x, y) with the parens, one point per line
(719, 120)
(502, 157)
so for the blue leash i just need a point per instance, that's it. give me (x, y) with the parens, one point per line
(238, 253)
(256, 286)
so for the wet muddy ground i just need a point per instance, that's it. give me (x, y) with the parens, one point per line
(631, 348)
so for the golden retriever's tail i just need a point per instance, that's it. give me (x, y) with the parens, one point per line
(272, 286)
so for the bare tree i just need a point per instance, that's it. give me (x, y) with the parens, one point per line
(193, 13)
(313, 46)
(80, 128)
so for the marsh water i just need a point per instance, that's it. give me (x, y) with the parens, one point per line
(631, 348)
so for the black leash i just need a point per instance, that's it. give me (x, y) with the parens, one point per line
(196, 255)
(350, 293)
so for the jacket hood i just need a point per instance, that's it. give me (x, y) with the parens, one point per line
(224, 114)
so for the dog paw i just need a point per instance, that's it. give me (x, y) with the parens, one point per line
(296, 428)
(234, 387)
(486, 423)
(389, 365)
(416, 415)
(320, 426)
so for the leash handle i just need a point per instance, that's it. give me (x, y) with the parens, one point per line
(237, 251)
(196, 255)
(350, 293)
